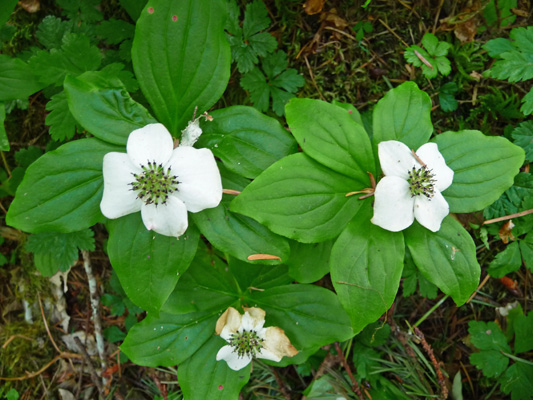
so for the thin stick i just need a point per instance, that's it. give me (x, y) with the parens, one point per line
(430, 311)
(478, 288)
(14, 337)
(95, 305)
(355, 385)
(429, 351)
(520, 214)
(313, 78)
(254, 257)
(423, 59)
(46, 325)
(94, 375)
(231, 191)
(281, 385)
(391, 31)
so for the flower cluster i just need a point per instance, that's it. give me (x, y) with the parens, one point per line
(247, 338)
(159, 180)
(411, 187)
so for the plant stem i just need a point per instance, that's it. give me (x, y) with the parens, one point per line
(517, 359)
(430, 311)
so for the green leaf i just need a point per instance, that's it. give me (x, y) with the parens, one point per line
(411, 276)
(76, 56)
(527, 106)
(101, 104)
(523, 326)
(329, 135)
(518, 380)
(354, 114)
(489, 338)
(447, 97)
(51, 31)
(492, 362)
(523, 137)
(133, 7)
(446, 258)
(366, 266)
(496, 47)
(375, 334)
(499, 11)
(81, 11)
(113, 334)
(246, 141)
(403, 115)
(435, 56)
(62, 123)
(148, 265)
(4, 140)
(309, 262)
(168, 339)
(506, 261)
(484, 167)
(526, 248)
(216, 380)
(236, 234)
(115, 31)
(299, 198)
(515, 64)
(183, 62)
(5, 12)
(58, 251)
(18, 79)
(280, 83)
(62, 190)
(364, 360)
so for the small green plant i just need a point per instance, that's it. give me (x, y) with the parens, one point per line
(433, 59)
(495, 352)
(514, 61)
(361, 28)
(275, 81)
(447, 99)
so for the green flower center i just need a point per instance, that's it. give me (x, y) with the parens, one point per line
(154, 184)
(421, 181)
(246, 343)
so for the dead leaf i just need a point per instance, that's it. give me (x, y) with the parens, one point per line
(505, 232)
(466, 31)
(31, 6)
(312, 7)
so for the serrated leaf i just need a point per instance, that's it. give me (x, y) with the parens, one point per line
(495, 47)
(364, 360)
(245, 140)
(515, 64)
(62, 190)
(18, 80)
(190, 67)
(507, 261)
(523, 137)
(488, 336)
(301, 199)
(518, 380)
(329, 135)
(255, 18)
(526, 248)
(492, 362)
(114, 31)
(133, 7)
(527, 106)
(499, 11)
(75, 56)
(511, 200)
(482, 165)
(446, 258)
(55, 251)
(366, 266)
(101, 104)
(148, 265)
(51, 31)
(403, 115)
(81, 11)
(523, 326)
(62, 123)
(289, 80)
(262, 44)
(256, 83)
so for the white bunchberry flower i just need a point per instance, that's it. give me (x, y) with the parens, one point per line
(247, 338)
(160, 181)
(411, 187)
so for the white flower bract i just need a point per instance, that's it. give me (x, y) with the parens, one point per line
(409, 188)
(247, 338)
(162, 182)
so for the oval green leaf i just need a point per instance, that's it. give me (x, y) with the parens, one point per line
(366, 267)
(246, 141)
(446, 258)
(484, 167)
(301, 199)
(62, 190)
(181, 58)
(403, 115)
(101, 104)
(328, 134)
(147, 264)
